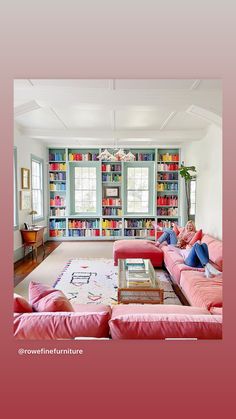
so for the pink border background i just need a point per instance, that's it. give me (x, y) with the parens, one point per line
(131, 40)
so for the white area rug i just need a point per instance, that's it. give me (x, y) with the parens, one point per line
(94, 281)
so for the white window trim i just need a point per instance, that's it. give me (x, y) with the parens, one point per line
(41, 161)
(16, 208)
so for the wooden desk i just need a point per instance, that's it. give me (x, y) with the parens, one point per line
(33, 238)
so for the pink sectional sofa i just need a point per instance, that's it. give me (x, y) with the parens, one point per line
(199, 290)
(120, 322)
(146, 249)
(175, 264)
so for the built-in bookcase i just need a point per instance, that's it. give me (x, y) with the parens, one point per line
(111, 221)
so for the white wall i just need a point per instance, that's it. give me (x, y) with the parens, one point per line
(206, 155)
(25, 147)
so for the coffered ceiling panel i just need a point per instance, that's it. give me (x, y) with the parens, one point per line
(185, 121)
(39, 118)
(135, 119)
(74, 117)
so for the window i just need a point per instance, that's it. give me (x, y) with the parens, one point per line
(193, 197)
(37, 186)
(84, 189)
(139, 189)
(15, 201)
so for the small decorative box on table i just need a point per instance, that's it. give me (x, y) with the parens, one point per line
(137, 282)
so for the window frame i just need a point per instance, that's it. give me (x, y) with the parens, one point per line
(193, 215)
(97, 166)
(41, 162)
(15, 191)
(151, 182)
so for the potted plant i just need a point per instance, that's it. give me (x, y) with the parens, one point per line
(187, 176)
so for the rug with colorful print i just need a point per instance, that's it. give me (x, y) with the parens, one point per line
(94, 281)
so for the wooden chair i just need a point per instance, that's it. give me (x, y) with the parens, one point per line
(33, 238)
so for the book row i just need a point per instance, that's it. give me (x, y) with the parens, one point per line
(57, 156)
(57, 166)
(111, 201)
(57, 201)
(111, 167)
(167, 200)
(111, 233)
(57, 176)
(57, 224)
(112, 211)
(168, 157)
(83, 156)
(167, 176)
(163, 167)
(140, 233)
(84, 233)
(167, 187)
(57, 233)
(57, 212)
(171, 212)
(111, 224)
(111, 177)
(57, 187)
(83, 224)
(143, 223)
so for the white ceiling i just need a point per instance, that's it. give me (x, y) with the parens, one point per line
(104, 112)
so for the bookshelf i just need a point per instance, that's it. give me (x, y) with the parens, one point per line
(167, 186)
(110, 222)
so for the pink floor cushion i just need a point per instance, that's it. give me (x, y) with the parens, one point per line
(87, 322)
(45, 298)
(145, 249)
(202, 291)
(158, 322)
(21, 305)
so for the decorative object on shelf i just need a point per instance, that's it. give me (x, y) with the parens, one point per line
(112, 192)
(25, 200)
(106, 155)
(129, 157)
(184, 173)
(25, 178)
(120, 154)
(32, 213)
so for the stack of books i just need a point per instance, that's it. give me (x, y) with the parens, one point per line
(137, 272)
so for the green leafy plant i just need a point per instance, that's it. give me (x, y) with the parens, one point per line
(187, 176)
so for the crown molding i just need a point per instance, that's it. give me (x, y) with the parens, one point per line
(205, 114)
(26, 107)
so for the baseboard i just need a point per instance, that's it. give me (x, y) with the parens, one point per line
(18, 254)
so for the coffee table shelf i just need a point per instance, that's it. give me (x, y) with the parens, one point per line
(129, 292)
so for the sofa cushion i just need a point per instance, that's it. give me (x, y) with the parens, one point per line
(21, 305)
(215, 248)
(88, 321)
(216, 310)
(201, 291)
(45, 298)
(175, 264)
(197, 236)
(136, 248)
(159, 322)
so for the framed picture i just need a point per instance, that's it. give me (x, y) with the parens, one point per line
(112, 192)
(25, 178)
(25, 200)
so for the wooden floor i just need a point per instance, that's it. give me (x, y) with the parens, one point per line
(22, 268)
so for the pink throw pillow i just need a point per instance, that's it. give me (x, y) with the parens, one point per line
(197, 236)
(45, 298)
(21, 305)
(176, 230)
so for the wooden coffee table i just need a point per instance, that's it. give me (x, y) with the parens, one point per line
(128, 292)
